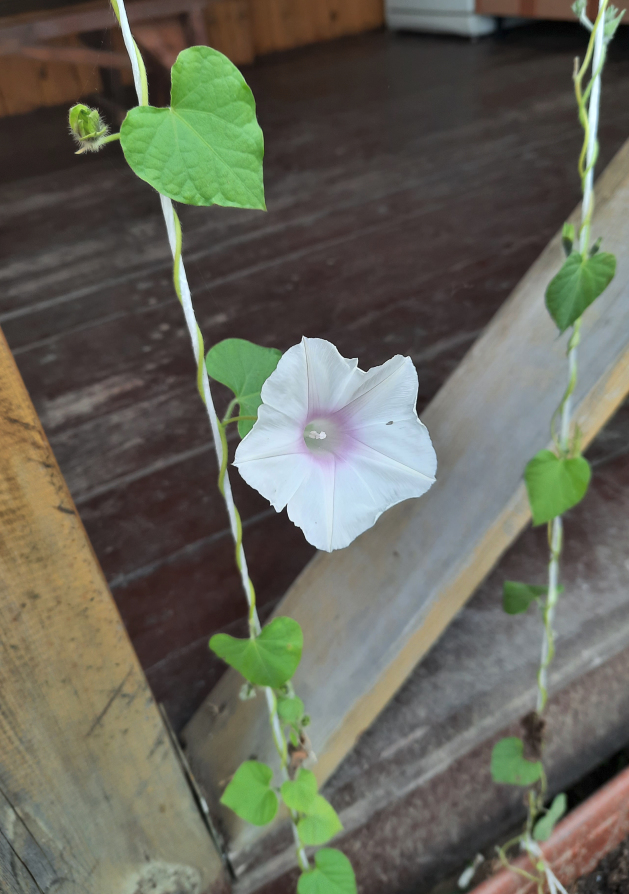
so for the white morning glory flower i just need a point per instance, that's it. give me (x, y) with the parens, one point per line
(336, 445)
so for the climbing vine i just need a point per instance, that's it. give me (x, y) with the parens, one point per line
(557, 479)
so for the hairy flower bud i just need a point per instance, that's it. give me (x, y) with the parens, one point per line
(87, 128)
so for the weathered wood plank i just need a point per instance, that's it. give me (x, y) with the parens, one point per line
(92, 796)
(371, 611)
(308, 265)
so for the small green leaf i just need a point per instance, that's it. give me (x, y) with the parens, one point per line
(300, 793)
(270, 659)
(567, 238)
(320, 824)
(544, 826)
(291, 710)
(517, 597)
(579, 282)
(206, 148)
(555, 485)
(249, 794)
(332, 874)
(509, 765)
(244, 368)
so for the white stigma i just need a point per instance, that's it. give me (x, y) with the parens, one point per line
(317, 435)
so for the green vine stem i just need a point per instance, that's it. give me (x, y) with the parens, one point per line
(173, 228)
(588, 102)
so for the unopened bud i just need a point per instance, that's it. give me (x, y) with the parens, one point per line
(87, 128)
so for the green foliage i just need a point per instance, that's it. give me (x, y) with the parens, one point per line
(206, 148)
(300, 793)
(555, 484)
(544, 826)
(249, 793)
(517, 597)
(291, 710)
(509, 765)
(332, 874)
(579, 282)
(320, 823)
(244, 368)
(567, 238)
(269, 659)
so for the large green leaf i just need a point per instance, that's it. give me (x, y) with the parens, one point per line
(249, 793)
(270, 659)
(544, 827)
(290, 710)
(517, 597)
(244, 368)
(206, 148)
(579, 282)
(509, 765)
(320, 823)
(299, 793)
(555, 484)
(332, 874)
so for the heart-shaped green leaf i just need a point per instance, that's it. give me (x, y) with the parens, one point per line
(244, 367)
(206, 148)
(332, 874)
(270, 659)
(579, 282)
(249, 793)
(299, 794)
(509, 765)
(321, 822)
(291, 710)
(555, 484)
(544, 827)
(517, 597)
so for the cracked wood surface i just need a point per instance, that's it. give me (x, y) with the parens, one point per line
(91, 792)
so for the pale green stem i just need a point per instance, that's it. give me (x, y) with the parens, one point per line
(596, 52)
(182, 288)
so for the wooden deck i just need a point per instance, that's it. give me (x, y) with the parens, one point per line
(411, 181)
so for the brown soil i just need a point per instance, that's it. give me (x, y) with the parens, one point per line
(611, 876)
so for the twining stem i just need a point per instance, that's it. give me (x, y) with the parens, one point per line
(173, 228)
(588, 105)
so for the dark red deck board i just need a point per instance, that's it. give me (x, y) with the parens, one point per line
(411, 181)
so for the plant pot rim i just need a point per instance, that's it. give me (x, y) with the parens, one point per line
(578, 842)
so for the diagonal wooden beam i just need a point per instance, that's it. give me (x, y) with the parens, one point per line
(370, 612)
(93, 797)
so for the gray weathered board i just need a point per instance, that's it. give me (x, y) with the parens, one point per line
(93, 799)
(371, 611)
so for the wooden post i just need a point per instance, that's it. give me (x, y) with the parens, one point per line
(93, 798)
(371, 611)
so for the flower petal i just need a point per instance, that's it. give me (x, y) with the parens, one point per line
(330, 376)
(311, 507)
(339, 500)
(386, 393)
(286, 389)
(273, 458)
(404, 448)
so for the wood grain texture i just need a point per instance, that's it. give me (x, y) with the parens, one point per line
(92, 796)
(368, 242)
(371, 611)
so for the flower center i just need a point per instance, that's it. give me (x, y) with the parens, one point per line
(323, 436)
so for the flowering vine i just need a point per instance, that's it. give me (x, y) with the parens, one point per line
(335, 444)
(557, 480)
